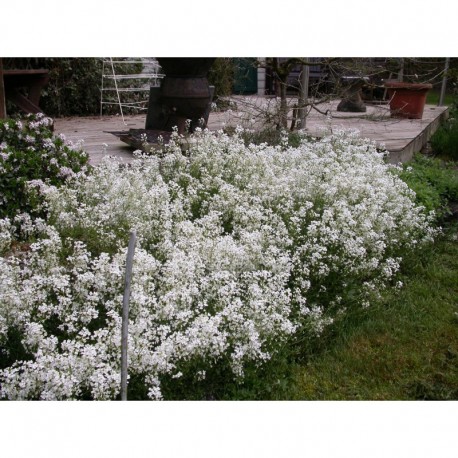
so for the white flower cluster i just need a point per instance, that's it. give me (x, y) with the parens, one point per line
(6, 235)
(238, 247)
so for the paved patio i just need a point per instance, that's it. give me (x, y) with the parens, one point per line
(401, 137)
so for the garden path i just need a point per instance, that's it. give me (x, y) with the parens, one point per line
(401, 137)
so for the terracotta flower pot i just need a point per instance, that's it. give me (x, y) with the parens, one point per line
(407, 100)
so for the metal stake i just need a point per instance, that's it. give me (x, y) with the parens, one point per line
(125, 314)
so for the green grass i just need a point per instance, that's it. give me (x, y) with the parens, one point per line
(444, 141)
(433, 96)
(405, 347)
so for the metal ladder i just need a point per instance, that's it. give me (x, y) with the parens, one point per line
(118, 82)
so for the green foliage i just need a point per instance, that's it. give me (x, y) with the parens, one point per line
(434, 182)
(73, 88)
(29, 151)
(433, 97)
(270, 381)
(221, 76)
(445, 140)
(270, 136)
(12, 349)
(74, 84)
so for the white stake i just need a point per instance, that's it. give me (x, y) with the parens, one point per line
(125, 314)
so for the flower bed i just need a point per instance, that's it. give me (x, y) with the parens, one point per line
(28, 151)
(240, 248)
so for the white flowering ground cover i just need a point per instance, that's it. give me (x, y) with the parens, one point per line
(240, 249)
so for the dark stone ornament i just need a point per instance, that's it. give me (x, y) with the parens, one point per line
(183, 95)
(352, 101)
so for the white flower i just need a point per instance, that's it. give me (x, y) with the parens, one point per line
(238, 248)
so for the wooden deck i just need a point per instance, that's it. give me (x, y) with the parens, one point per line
(401, 137)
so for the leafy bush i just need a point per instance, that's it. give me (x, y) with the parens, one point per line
(221, 75)
(29, 151)
(445, 140)
(73, 87)
(273, 137)
(240, 249)
(74, 84)
(435, 183)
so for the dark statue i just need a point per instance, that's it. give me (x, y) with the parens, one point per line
(184, 94)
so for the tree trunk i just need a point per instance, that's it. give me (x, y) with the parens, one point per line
(303, 94)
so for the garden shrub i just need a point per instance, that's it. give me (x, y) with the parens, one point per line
(74, 84)
(73, 88)
(444, 141)
(240, 248)
(221, 75)
(434, 181)
(272, 137)
(29, 151)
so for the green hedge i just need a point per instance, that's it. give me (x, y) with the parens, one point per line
(74, 84)
(435, 183)
(73, 88)
(445, 140)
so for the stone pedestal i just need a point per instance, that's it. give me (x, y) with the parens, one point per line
(161, 116)
(184, 95)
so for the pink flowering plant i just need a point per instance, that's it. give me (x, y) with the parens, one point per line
(242, 249)
(29, 151)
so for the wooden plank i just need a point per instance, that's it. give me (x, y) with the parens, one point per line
(33, 80)
(22, 102)
(400, 136)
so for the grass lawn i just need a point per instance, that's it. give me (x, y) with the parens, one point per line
(405, 347)
(433, 96)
